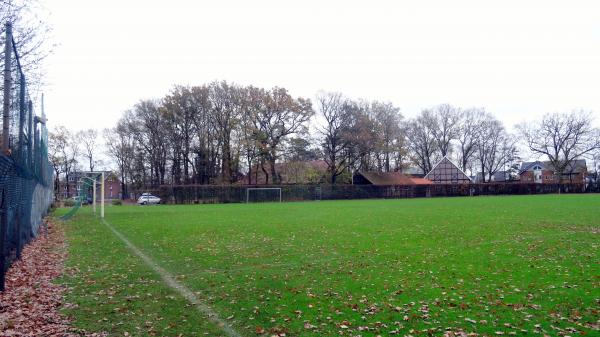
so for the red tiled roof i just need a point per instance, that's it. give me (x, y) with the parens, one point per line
(421, 181)
(387, 178)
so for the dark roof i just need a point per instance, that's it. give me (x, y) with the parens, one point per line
(576, 166)
(387, 178)
(498, 176)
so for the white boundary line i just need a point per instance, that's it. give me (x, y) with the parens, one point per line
(180, 288)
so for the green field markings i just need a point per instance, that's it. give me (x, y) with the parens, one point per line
(175, 285)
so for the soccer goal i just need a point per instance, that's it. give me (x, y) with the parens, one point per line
(263, 194)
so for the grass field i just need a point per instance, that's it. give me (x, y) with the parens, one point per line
(489, 265)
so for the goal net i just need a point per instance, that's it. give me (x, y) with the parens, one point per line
(263, 194)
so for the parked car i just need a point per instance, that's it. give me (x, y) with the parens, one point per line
(148, 199)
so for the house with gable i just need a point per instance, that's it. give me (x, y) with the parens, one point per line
(543, 172)
(446, 172)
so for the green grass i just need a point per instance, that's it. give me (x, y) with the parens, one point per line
(365, 267)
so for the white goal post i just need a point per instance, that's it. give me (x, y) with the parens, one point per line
(249, 189)
(97, 179)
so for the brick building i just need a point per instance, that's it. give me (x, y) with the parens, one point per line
(112, 185)
(542, 172)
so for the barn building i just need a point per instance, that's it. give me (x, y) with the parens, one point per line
(446, 172)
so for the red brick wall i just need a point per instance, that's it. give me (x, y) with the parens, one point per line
(112, 189)
(548, 177)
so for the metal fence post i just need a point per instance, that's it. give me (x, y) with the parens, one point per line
(30, 135)
(21, 150)
(102, 197)
(94, 197)
(5, 148)
(21, 157)
(7, 85)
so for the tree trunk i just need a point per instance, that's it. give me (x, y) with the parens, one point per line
(274, 178)
(67, 182)
(262, 166)
(256, 174)
(123, 187)
(226, 162)
(249, 171)
(387, 162)
(482, 172)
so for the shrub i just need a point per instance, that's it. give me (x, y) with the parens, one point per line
(116, 202)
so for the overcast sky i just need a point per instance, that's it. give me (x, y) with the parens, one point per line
(518, 59)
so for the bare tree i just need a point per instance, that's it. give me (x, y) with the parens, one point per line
(181, 108)
(55, 155)
(88, 140)
(467, 135)
(64, 148)
(502, 152)
(562, 138)
(387, 122)
(250, 134)
(30, 35)
(365, 136)
(336, 141)
(495, 147)
(206, 138)
(445, 126)
(155, 134)
(227, 103)
(281, 116)
(120, 145)
(422, 141)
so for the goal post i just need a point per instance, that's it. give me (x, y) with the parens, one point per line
(97, 178)
(275, 191)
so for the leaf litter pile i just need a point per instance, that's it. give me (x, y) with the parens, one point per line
(31, 303)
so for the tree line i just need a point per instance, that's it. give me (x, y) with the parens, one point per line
(222, 133)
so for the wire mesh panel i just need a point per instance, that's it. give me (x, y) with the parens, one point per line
(25, 173)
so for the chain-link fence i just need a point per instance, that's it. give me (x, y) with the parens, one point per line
(206, 194)
(25, 173)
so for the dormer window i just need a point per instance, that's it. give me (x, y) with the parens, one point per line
(537, 168)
